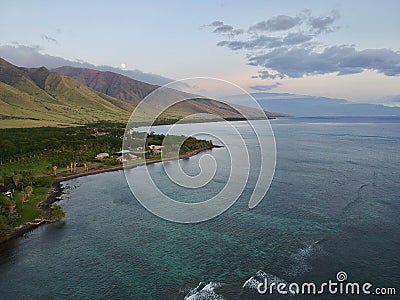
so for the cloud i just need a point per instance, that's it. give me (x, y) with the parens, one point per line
(276, 23)
(265, 87)
(296, 38)
(216, 23)
(342, 60)
(285, 46)
(267, 42)
(224, 29)
(49, 39)
(31, 57)
(323, 24)
(256, 43)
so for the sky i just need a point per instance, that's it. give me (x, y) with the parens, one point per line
(341, 49)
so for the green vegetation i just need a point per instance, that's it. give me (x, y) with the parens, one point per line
(32, 158)
(55, 213)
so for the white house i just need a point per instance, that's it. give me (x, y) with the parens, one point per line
(126, 157)
(102, 155)
(156, 149)
(122, 152)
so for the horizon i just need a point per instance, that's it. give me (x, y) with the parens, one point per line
(341, 50)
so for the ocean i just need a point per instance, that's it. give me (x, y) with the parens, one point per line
(333, 206)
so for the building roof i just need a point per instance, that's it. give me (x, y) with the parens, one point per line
(102, 155)
(155, 147)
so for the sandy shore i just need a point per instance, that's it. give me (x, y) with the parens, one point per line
(56, 189)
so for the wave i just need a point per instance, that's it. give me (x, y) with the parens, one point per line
(301, 259)
(254, 281)
(205, 292)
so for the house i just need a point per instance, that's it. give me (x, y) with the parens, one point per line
(102, 155)
(156, 149)
(126, 157)
(7, 191)
(121, 159)
(122, 152)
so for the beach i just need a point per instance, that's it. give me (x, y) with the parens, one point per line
(57, 190)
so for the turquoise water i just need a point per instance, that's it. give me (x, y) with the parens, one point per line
(333, 206)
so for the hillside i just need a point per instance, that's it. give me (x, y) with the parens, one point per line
(126, 88)
(109, 83)
(37, 97)
(33, 97)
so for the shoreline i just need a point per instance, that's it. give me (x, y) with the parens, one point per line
(56, 190)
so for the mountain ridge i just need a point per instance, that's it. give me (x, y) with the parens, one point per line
(32, 97)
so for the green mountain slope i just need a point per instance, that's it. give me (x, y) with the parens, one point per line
(126, 88)
(32, 97)
(38, 97)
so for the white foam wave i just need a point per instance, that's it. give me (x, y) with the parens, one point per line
(254, 281)
(301, 259)
(205, 292)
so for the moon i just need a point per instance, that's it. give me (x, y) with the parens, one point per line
(123, 66)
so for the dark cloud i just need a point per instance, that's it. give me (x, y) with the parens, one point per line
(268, 74)
(49, 39)
(267, 42)
(223, 29)
(265, 87)
(228, 30)
(216, 23)
(343, 60)
(296, 38)
(296, 52)
(277, 23)
(323, 24)
(256, 43)
(31, 57)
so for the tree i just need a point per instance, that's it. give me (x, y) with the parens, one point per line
(29, 191)
(5, 228)
(55, 170)
(22, 198)
(6, 205)
(17, 178)
(55, 213)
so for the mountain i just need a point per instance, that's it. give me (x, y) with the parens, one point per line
(109, 83)
(31, 57)
(38, 97)
(31, 97)
(310, 106)
(123, 87)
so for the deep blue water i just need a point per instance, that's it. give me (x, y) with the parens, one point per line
(333, 206)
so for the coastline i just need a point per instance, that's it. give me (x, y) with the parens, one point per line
(56, 191)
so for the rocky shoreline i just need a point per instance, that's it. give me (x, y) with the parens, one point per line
(57, 190)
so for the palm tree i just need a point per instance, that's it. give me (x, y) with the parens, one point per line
(29, 191)
(17, 178)
(55, 170)
(22, 198)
